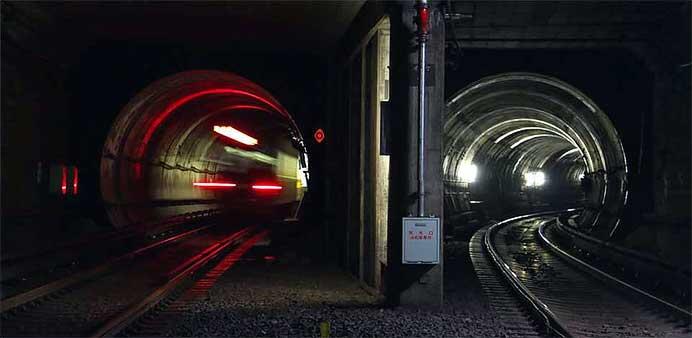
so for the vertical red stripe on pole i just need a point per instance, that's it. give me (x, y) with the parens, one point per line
(63, 184)
(75, 180)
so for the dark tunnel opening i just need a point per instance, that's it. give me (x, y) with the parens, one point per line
(518, 140)
(164, 155)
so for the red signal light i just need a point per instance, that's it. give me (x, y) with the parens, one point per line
(319, 135)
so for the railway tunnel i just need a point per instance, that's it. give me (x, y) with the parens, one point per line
(163, 156)
(265, 159)
(524, 131)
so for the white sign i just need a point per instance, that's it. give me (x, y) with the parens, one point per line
(421, 240)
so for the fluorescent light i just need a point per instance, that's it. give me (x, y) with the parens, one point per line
(531, 137)
(236, 135)
(567, 153)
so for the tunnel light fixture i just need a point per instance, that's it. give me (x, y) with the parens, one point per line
(468, 172)
(214, 184)
(534, 178)
(514, 131)
(530, 138)
(235, 135)
(567, 153)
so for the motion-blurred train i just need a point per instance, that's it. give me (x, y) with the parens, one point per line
(267, 181)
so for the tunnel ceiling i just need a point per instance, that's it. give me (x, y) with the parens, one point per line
(511, 124)
(302, 26)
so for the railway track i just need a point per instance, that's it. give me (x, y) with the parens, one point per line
(561, 296)
(116, 298)
(517, 321)
(28, 271)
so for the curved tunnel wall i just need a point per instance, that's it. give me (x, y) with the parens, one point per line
(511, 124)
(161, 142)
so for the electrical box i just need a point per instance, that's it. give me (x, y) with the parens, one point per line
(421, 240)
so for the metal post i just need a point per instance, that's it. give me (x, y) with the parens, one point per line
(422, 6)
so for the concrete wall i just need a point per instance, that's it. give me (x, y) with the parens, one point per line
(354, 156)
(36, 122)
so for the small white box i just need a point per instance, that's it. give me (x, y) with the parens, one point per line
(421, 240)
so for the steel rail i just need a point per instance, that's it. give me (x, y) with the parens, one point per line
(590, 268)
(126, 232)
(52, 287)
(540, 309)
(115, 325)
(572, 231)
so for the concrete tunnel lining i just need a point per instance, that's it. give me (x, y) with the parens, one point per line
(512, 123)
(161, 142)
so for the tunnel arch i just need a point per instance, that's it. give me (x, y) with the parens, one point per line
(161, 142)
(510, 126)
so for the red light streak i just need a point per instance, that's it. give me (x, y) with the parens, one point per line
(176, 104)
(266, 187)
(137, 167)
(63, 185)
(214, 184)
(243, 106)
(75, 180)
(236, 135)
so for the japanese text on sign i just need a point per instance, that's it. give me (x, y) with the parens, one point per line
(421, 240)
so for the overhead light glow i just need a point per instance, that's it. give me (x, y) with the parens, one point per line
(534, 178)
(235, 135)
(214, 184)
(468, 172)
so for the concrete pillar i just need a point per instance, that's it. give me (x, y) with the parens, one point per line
(668, 60)
(414, 284)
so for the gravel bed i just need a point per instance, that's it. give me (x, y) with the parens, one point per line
(291, 298)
